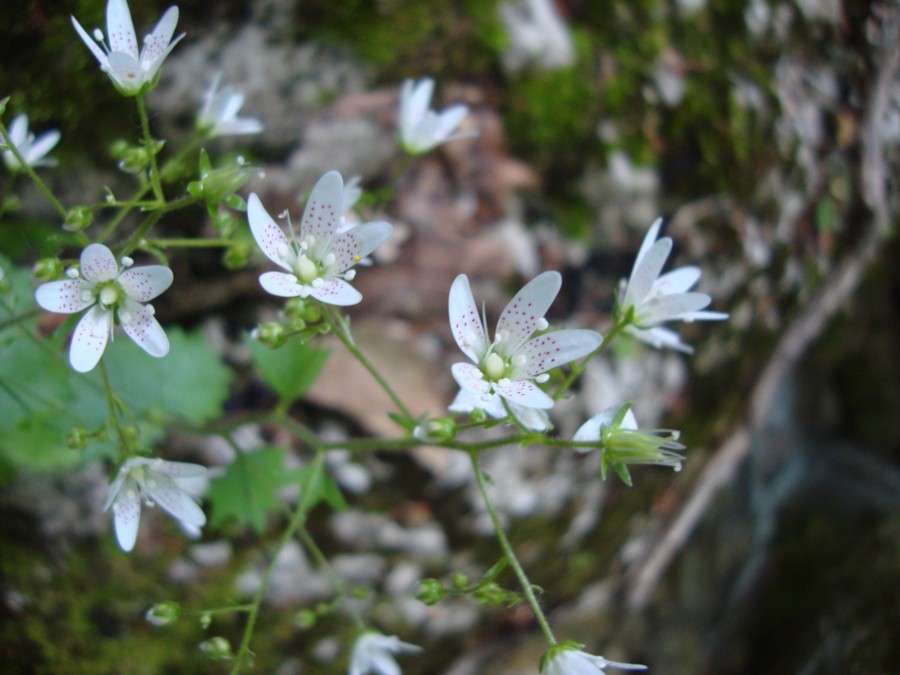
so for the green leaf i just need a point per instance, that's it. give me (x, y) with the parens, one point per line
(247, 492)
(319, 487)
(289, 370)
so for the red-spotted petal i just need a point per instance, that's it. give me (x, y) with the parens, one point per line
(127, 515)
(283, 285)
(65, 297)
(549, 351)
(98, 264)
(525, 311)
(322, 214)
(145, 283)
(141, 326)
(465, 321)
(524, 393)
(336, 292)
(90, 338)
(120, 29)
(269, 237)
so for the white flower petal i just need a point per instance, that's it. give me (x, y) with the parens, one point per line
(535, 419)
(141, 326)
(645, 272)
(159, 43)
(90, 338)
(322, 214)
(120, 29)
(166, 493)
(551, 350)
(283, 285)
(96, 50)
(471, 379)
(354, 244)
(66, 296)
(336, 292)
(126, 71)
(465, 321)
(669, 307)
(707, 316)
(524, 312)
(44, 144)
(98, 264)
(18, 130)
(416, 98)
(127, 516)
(145, 283)
(450, 119)
(649, 240)
(524, 393)
(269, 237)
(660, 338)
(676, 281)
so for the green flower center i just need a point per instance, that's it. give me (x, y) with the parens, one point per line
(307, 271)
(110, 294)
(494, 367)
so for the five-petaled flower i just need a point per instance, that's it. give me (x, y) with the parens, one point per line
(615, 431)
(104, 287)
(319, 261)
(373, 653)
(421, 128)
(173, 486)
(219, 114)
(510, 367)
(567, 658)
(131, 72)
(33, 150)
(649, 299)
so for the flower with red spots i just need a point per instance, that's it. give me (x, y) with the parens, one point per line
(173, 486)
(131, 72)
(509, 368)
(319, 261)
(103, 286)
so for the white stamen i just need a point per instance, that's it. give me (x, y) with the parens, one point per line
(350, 275)
(86, 295)
(72, 273)
(542, 324)
(127, 261)
(318, 282)
(540, 379)
(284, 215)
(98, 35)
(329, 259)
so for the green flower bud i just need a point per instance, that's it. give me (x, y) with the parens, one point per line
(78, 438)
(271, 334)
(438, 429)
(47, 269)
(431, 591)
(217, 648)
(237, 255)
(305, 619)
(78, 218)
(163, 613)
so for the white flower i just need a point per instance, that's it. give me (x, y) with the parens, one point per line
(218, 115)
(131, 72)
(373, 653)
(621, 442)
(33, 150)
(319, 261)
(104, 287)
(421, 128)
(173, 486)
(650, 299)
(512, 364)
(568, 659)
(536, 34)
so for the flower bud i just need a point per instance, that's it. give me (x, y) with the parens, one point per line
(47, 269)
(78, 438)
(78, 218)
(217, 648)
(431, 591)
(438, 429)
(237, 255)
(163, 613)
(271, 334)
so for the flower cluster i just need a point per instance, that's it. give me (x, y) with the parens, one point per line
(503, 376)
(33, 149)
(319, 260)
(131, 72)
(649, 299)
(107, 289)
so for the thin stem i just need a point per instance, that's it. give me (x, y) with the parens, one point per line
(113, 406)
(526, 585)
(297, 520)
(151, 151)
(187, 243)
(24, 166)
(337, 583)
(343, 334)
(578, 368)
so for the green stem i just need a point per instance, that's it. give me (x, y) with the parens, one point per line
(578, 368)
(187, 243)
(113, 405)
(297, 521)
(343, 334)
(7, 141)
(336, 582)
(526, 585)
(148, 145)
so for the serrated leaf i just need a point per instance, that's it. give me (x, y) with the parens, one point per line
(318, 486)
(248, 490)
(289, 370)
